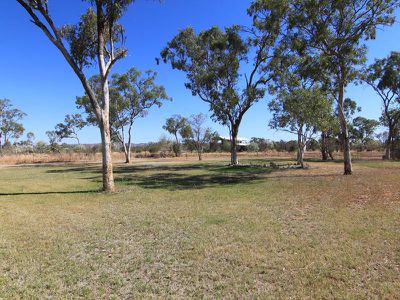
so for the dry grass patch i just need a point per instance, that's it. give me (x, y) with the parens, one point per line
(189, 230)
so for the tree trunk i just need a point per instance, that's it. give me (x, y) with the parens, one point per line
(177, 148)
(300, 149)
(128, 154)
(129, 146)
(348, 169)
(389, 143)
(124, 146)
(200, 152)
(234, 157)
(331, 155)
(324, 146)
(108, 176)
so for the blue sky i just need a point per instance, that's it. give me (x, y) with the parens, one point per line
(36, 78)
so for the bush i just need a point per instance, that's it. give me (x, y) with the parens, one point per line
(253, 147)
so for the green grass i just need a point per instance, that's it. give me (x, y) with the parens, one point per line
(189, 230)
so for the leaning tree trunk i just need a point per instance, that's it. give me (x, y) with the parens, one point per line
(129, 146)
(124, 146)
(331, 154)
(234, 156)
(348, 168)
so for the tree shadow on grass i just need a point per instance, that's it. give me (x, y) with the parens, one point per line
(178, 177)
(50, 193)
(181, 176)
(81, 169)
(178, 181)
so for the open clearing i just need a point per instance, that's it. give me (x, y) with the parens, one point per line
(188, 229)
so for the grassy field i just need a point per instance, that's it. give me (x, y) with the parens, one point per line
(190, 230)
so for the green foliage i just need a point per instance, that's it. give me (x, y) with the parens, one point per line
(178, 125)
(253, 147)
(196, 135)
(384, 77)
(70, 127)
(303, 110)
(263, 144)
(363, 131)
(214, 60)
(97, 35)
(82, 39)
(211, 61)
(10, 118)
(335, 32)
(132, 94)
(53, 141)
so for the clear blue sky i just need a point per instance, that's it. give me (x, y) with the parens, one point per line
(36, 78)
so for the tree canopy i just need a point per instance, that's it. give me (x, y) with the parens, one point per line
(384, 77)
(97, 38)
(335, 31)
(10, 122)
(213, 61)
(132, 94)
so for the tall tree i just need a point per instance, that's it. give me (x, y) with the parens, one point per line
(132, 95)
(177, 125)
(30, 138)
(336, 31)
(214, 61)
(53, 138)
(329, 131)
(70, 127)
(198, 135)
(384, 77)
(363, 131)
(10, 126)
(98, 37)
(300, 111)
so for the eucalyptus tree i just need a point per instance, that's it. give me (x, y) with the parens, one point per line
(53, 139)
(177, 125)
(228, 69)
(132, 94)
(99, 39)
(301, 111)
(30, 138)
(384, 77)
(336, 31)
(10, 122)
(330, 130)
(199, 135)
(70, 127)
(363, 130)
(302, 105)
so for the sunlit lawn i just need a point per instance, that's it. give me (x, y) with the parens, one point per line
(190, 230)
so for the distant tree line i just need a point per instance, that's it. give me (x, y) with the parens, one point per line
(303, 54)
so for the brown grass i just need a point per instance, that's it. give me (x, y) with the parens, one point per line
(19, 159)
(178, 229)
